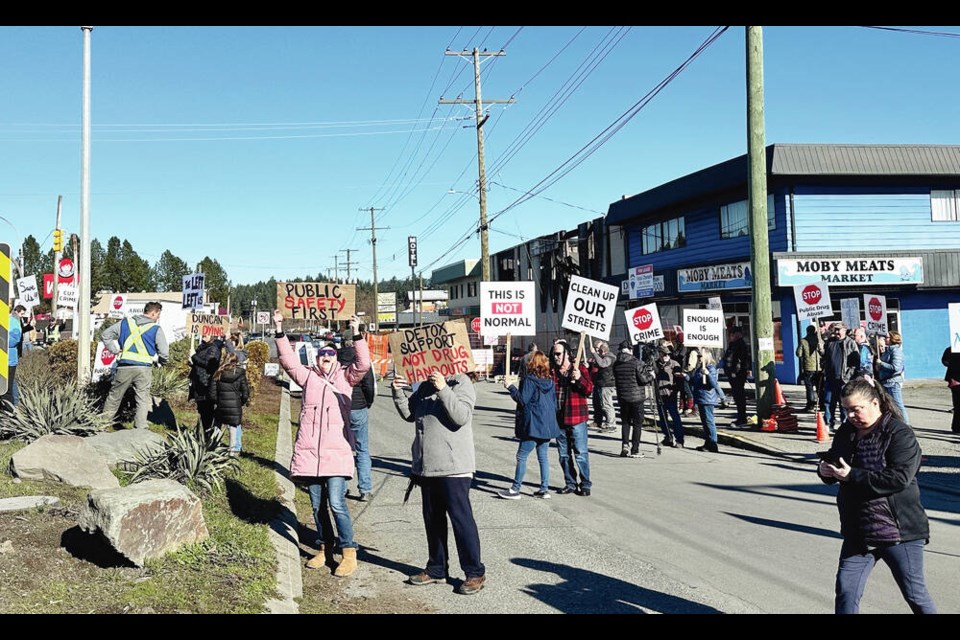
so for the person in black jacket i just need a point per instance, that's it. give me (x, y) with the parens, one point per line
(630, 377)
(362, 400)
(203, 364)
(230, 391)
(952, 377)
(875, 457)
(737, 364)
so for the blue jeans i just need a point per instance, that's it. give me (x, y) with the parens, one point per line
(332, 491)
(444, 497)
(706, 419)
(574, 438)
(906, 564)
(526, 446)
(360, 425)
(668, 405)
(895, 390)
(831, 399)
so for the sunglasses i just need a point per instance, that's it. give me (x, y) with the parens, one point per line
(558, 353)
(327, 352)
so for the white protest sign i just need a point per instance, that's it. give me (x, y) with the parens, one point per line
(193, 291)
(953, 309)
(591, 307)
(644, 323)
(102, 362)
(813, 301)
(703, 327)
(118, 305)
(29, 294)
(491, 341)
(714, 303)
(850, 312)
(67, 295)
(271, 369)
(876, 313)
(508, 307)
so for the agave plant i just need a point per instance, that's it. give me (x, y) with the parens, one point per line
(58, 408)
(169, 383)
(191, 456)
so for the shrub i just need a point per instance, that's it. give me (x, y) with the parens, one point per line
(169, 383)
(258, 353)
(180, 356)
(63, 360)
(34, 369)
(191, 456)
(58, 408)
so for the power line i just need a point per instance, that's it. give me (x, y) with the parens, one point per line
(919, 32)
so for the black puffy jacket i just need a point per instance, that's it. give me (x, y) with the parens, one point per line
(230, 392)
(630, 377)
(365, 392)
(203, 364)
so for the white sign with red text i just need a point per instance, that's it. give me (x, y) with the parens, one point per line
(644, 323)
(102, 363)
(118, 305)
(875, 311)
(813, 301)
(508, 307)
(591, 307)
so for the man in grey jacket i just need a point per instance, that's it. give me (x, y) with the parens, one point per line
(443, 464)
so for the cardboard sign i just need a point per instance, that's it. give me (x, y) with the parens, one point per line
(953, 310)
(703, 327)
(644, 323)
(193, 291)
(443, 347)
(813, 301)
(591, 307)
(67, 295)
(118, 305)
(508, 307)
(29, 294)
(102, 362)
(850, 313)
(207, 324)
(875, 311)
(322, 301)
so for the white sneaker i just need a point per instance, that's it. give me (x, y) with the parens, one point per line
(638, 454)
(545, 495)
(509, 494)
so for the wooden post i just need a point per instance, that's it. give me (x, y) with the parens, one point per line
(576, 363)
(509, 354)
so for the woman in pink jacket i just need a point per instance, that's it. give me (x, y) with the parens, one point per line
(323, 451)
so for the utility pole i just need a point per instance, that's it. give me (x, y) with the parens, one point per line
(56, 260)
(336, 268)
(759, 243)
(349, 264)
(83, 339)
(481, 119)
(421, 298)
(373, 243)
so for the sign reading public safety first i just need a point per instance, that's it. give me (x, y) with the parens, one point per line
(591, 307)
(508, 307)
(323, 301)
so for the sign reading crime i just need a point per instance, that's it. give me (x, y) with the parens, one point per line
(67, 295)
(508, 307)
(703, 327)
(420, 351)
(644, 323)
(813, 301)
(207, 324)
(323, 301)
(193, 291)
(29, 294)
(875, 312)
(590, 308)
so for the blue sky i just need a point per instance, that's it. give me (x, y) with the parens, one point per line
(259, 146)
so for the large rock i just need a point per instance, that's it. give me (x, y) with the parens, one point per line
(67, 459)
(145, 520)
(26, 503)
(119, 448)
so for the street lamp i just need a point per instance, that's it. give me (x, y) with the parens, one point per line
(253, 313)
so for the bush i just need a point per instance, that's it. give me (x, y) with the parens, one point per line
(34, 369)
(191, 456)
(63, 360)
(258, 353)
(180, 356)
(58, 408)
(169, 383)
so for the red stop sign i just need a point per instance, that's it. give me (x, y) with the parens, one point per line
(876, 309)
(811, 294)
(642, 319)
(107, 357)
(475, 325)
(118, 302)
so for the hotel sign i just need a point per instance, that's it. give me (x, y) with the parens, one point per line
(716, 277)
(850, 271)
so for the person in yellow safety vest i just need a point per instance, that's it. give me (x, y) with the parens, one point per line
(140, 343)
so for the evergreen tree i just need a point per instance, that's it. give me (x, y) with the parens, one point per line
(215, 281)
(169, 271)
(35, 262)
(137, 275)
(112, 267)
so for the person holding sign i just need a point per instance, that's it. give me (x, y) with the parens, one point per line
(631, 377)
(669, 382)
(706, 393)
(15, 335)
(323, 450)
(890, 368)
(603, 385)
(573, 387)
(443, 463)
(841, 359)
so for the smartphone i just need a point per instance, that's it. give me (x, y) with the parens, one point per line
(829, 457)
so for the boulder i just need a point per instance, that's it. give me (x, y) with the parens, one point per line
(26, 503)
(118, 448)
(145, 520)
(67, 459)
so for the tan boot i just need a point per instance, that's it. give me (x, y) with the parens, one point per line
(318, 561)
(349, 564)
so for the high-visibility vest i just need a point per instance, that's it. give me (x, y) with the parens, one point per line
(138, 342)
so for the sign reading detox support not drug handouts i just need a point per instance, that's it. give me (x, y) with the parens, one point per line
(419, 352)
(644, 323)
(507, 307)
(703, 327)
(591, 307)
(323, 301)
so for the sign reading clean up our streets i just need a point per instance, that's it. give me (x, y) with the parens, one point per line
(813, 301)
(849, 272)
(323, 301)
(443, 347)
(875, 311)
(29, 293)
(508, 307)
(193, 291)
(703, 327)
(644, 323)
(591, 307)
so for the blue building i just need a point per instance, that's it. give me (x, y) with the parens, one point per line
(877, 220)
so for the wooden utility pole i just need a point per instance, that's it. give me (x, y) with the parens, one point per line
(481, 119)
(373, 243)
(336, 268)
(759, 243)
(348, 264)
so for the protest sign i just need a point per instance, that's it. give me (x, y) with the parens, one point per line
(813, 301)
(953, 310)
(102, 363)
(207, 324)
(590, 308)
(67, 295)
(29, 294)
(850, 313)
(420, 351)
(118, 305)
(193, 291)
(271, 369)
(644, 323)
(321, 301)
(703, 327)
(875, 308)
(508, 308)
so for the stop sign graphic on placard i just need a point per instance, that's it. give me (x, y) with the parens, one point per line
(118, 302)
(642, 319)
(811, 294)
(875, 308)
(475, 325)
(107, 357)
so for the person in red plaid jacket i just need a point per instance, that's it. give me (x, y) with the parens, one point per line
(573, 386)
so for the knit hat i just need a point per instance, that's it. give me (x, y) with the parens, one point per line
(626, 345)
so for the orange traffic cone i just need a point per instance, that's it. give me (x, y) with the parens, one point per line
(778, 393)
(822, 434)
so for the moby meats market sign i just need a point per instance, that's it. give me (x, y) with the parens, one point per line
(719, 276)
(591, 307)
(507, 307)
(703, 327)
(443, 347)
(813, 301)
(644, 323)
(323, 301)
(848, 272)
